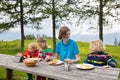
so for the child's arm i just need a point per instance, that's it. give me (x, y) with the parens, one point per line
(48, 56)
(86, 61)
(50, 52)
(19, 54)
(25, 54)
(112, 63)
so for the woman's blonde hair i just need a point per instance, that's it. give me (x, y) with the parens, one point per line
(32, 45)
(97, 45)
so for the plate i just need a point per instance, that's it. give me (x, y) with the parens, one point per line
(85, 66)
(55, 62)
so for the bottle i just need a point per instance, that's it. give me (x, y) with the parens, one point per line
(66, 66)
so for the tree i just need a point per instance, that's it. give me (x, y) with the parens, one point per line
(54, 24)
(22, 24)
(101, 20)
(6, 24)
(106, 11)
(36, 10)
(30, 37)
(57, 10)
(119, 43)
(115, 42)
(19, 13)
(10, 8)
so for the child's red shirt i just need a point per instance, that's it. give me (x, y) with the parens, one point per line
(27, 54)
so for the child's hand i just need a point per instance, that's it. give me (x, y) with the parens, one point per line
(106, 66)
(40, 50)
(47, 58)
(19, 54)
(40, 54)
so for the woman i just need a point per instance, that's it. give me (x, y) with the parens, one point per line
(66, 48)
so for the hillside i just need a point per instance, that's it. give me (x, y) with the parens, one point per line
(12, 47)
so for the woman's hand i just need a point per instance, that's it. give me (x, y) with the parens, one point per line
(69, 61)
(55, 57)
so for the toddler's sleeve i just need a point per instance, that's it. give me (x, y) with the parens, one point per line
(112, 62)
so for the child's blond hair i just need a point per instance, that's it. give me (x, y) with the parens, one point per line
(97, 45)
(32, 45)
(42, 40)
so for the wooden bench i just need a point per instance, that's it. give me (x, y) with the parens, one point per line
(58, 72)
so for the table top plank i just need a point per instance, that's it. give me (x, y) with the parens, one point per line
(58, 72)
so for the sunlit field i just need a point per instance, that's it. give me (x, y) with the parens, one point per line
(12, 47)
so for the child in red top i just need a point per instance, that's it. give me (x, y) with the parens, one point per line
(32, 52)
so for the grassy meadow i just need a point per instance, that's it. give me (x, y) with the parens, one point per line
(12, 47)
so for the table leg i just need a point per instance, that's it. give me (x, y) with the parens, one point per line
(9, 74)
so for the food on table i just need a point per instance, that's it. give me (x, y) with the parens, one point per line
(84, 66)
(54, 61)
(30, 61)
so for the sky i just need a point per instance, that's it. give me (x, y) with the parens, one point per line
(77, 33)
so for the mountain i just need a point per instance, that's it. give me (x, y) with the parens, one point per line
(108, 38)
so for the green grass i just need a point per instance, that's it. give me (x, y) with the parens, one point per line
(17, 75)
(12, 47)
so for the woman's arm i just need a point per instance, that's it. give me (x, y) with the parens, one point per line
(77, 58)
(70, 61)
(56, 56)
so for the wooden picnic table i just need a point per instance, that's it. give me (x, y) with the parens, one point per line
(58, 72)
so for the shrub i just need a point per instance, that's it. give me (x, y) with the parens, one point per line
(30, 37)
